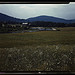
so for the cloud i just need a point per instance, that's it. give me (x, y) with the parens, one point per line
(32, 10)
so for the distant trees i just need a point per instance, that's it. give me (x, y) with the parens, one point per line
(51, 24)
(15, 26)
(10, 26)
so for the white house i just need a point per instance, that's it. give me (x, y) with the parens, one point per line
(25, 23)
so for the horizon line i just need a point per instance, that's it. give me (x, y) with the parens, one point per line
(35, 16)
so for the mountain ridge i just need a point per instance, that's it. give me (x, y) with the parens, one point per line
(50, 19)
(4, 17)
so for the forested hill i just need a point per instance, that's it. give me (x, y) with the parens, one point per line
(6, 18)
(50, 19)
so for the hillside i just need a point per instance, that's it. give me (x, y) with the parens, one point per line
(6, 18)
(50, 19)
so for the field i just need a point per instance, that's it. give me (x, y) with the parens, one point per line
(38, 51)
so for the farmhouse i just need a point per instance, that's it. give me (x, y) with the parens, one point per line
(26, 23)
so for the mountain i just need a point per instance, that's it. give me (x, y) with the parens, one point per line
(7, 18)
(49, 19)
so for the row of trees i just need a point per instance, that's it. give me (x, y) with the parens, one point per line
(42, 24)
(8, 26)
(51, 24)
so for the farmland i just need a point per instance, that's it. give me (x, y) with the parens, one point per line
(38, 51)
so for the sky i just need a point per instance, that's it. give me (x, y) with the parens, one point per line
(24, 11)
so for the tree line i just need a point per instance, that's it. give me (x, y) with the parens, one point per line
(6, 27)
(51, 24)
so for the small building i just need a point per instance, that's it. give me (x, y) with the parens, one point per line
(24, 23)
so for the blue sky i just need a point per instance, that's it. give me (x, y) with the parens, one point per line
(24, 11)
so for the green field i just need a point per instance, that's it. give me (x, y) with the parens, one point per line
(38, 51)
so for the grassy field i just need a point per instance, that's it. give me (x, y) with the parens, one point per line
(65, 36)
(38, 51)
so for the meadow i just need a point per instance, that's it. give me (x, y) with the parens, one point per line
(38, 51)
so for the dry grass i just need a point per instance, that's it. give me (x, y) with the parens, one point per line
(39, 58)
(38, 51)
(37, 38)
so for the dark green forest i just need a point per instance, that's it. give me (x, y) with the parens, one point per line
(10, 26)
(51, 24)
